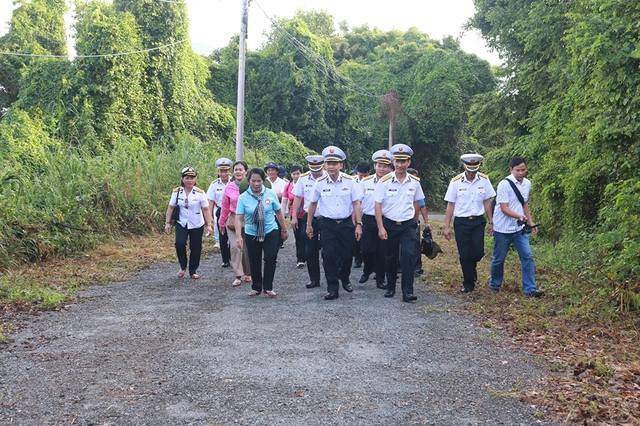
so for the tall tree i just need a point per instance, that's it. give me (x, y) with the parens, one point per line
(37, 28)
(293, 87)
(175, 75)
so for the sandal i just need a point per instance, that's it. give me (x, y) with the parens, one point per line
(236, 283)
(181, 273)
(271, 293)
(254, 293)
(247, 278)
(195, 276)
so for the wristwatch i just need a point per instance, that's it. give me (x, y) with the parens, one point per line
(359, 223)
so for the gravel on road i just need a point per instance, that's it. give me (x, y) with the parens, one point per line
(158, 350)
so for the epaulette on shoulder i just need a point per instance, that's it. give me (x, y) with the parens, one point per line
(285, 179)
(346, 176)
(176, 189)
(368, 177)
(215, 181)
(198, 190)
(415, 177)
(323, 178)
(458, 177)
(305, 174)
(386, 177)
(483, 175)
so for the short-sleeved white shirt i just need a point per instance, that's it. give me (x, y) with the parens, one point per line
(215, 191)
(397, 198)
(278, 186)
(368, 186)
(505, 194)
(469, 196)
(191, 216)
(303, 188)
(335, 199)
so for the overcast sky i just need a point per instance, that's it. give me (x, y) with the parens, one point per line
(214, 22)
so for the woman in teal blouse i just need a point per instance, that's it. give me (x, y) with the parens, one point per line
(257, 211)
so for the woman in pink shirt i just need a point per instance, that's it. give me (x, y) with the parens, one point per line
(301, 257)
(239, 259)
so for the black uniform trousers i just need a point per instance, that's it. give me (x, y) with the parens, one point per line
(265, 252)
(312, 247)
(301, 240)
(372, 254)
(338, 239)
(225, 251)
(470, 242)
(195, 247)
(401, 236)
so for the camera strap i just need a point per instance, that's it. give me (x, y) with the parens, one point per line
(517, 191)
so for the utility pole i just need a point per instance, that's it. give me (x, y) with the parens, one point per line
(241, 65)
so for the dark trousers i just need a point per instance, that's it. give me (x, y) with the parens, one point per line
(257, 251)
(301, 240)
(372, 254)
(312, 248)
(225, 251)
(400, 237)
(338, 238)
(357, 252)
(470, 242)
(195, 247)
(417, 253)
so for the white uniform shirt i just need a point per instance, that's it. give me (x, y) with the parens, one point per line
(303, 188)
(368, 186)
(335, 199)
(501, 222)
(215, 191)
(468, 195)
(191, 216)
(397, 198)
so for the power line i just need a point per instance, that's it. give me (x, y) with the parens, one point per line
(107, 55)
(320, 63)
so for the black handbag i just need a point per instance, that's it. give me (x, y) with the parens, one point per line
(426, 245)
(175, 215)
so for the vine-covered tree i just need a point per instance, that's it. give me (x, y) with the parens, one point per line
(175, 77)
(36, 28)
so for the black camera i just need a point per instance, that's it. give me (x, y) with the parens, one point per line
(526, 228)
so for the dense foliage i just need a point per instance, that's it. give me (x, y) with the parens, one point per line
(572, 93)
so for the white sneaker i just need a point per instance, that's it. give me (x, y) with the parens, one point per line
(216, 245)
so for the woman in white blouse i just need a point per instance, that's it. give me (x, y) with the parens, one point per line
(194, 212)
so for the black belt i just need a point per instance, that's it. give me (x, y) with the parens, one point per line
(337, 221)
(398, 222)
(470, 217)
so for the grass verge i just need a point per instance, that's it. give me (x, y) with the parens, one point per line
(576, 332)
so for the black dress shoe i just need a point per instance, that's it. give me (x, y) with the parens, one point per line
(466, 290)
(389, 293)
(363, 278)
(226, 264)
(535, 293)
(347, 287)
(331, 296)
(409, 298)
(312, 284)
(381, 285)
